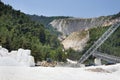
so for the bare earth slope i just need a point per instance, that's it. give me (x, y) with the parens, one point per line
(76, 40)
(71, 27)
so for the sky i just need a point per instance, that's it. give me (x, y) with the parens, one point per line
(74, 8)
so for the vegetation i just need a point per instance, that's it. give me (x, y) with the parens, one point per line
(18, 31)
(110, 46)
(72, 54)
(46, 20)
(115, 16)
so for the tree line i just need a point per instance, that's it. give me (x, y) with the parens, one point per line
(18, 31)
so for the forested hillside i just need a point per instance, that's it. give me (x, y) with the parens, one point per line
(111, 46)
(18, 31)
(46, 21)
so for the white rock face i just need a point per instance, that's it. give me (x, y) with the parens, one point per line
(3, 51)
(97, 61)
(76, 40)
(69, 25)
(16, 58)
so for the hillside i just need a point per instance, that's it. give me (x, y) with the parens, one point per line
(69, 25)
(46, 21)
(40, 33)
(71, 28)
(18, 31)
(110, 46)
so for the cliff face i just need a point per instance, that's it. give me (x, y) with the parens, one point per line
(72, 29)
(69, 25)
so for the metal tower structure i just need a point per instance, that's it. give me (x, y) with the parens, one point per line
(99, 42)
(106, 57)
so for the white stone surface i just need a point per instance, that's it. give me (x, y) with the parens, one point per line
(97, 61)
(16, 58)
(3, 51)
(111, 72)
